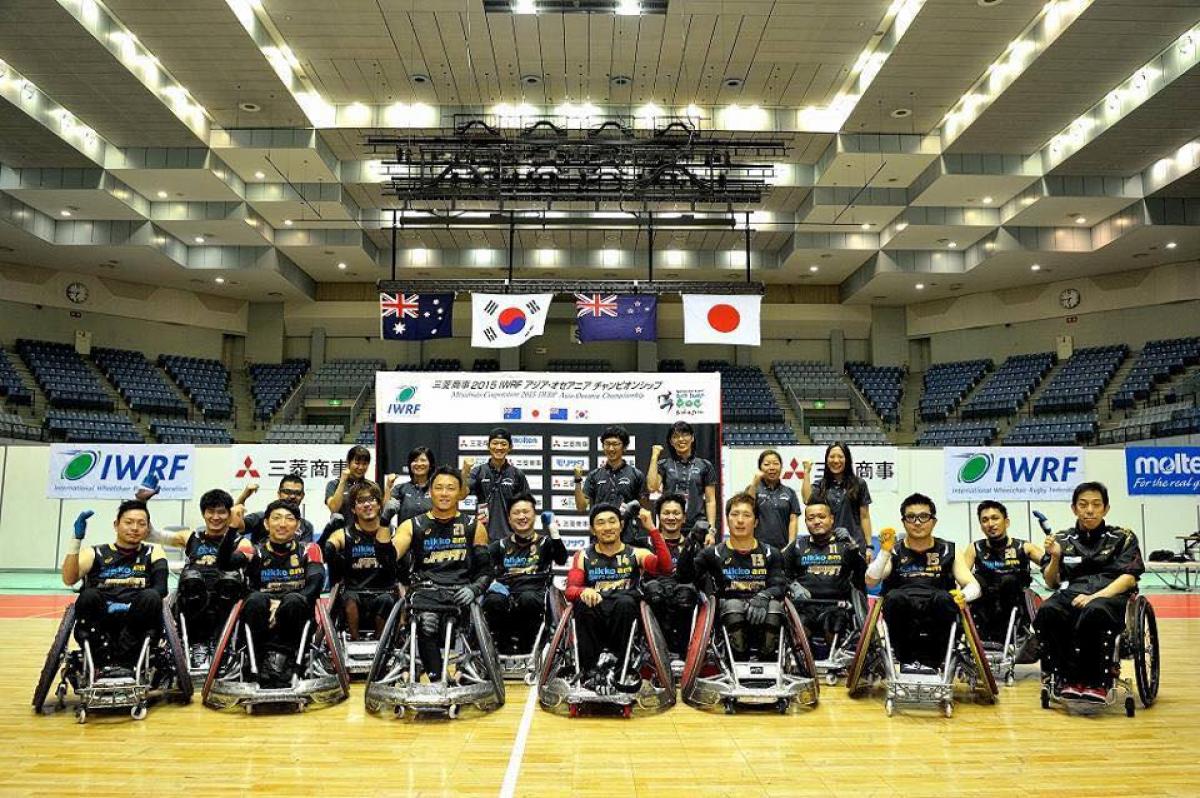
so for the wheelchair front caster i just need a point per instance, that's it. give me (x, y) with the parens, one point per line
(399, 711)
(831, 679)
(138, 712)
(1129, 707)
(1045, 698)
(889, 707)
(61, 693)
(81, 716)
(1010, 680)
(452, 712)
(373, 707)
(730, 708)
(627, 711)
(947, 709)
(782, 706)
(573, 710)
(531, 678)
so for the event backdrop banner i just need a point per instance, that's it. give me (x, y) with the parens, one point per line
(114, 470)
(430, 397)
(266, 464)
(1012, 473)
(875, 464)
(1163, 470)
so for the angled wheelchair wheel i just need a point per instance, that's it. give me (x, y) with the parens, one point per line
(561, 639)
(483, 642)
(800, 646)
(332, 652)
(222, 651)
(862, 652)
(396, 625)
(1032, 650)
(661, 676)
(985, 681)
(181, 680)
(1144, 643)
(697, 653)
(54, 657)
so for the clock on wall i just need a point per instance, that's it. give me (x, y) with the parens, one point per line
(1069, 298)
(77, 293)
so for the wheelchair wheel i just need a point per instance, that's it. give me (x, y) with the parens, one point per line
(395, 624)
(331, 649)
(223, 645)
(54, 657)
(800, 647)
(487, 651)
(855, 682)
(697, 653)
(180, 676)
(560, 639)
(660, 658)
(985, 681)
(1145, 651)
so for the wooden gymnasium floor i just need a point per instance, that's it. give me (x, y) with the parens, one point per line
(843, 748)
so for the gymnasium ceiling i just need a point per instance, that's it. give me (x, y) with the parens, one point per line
(218, 145)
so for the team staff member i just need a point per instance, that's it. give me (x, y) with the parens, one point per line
(921, 579)
(450, 563)
(823, 569)
(285, 576)
(748, 580)
(291, 490)
(515, 602)
(603, 584)
(1093, 568)
(124, 583)
(1001, 565)
(617, 482)
(778, 505)
(410, 499)
(368, 585)
(684, 473)
(843, 490)
(494, 483)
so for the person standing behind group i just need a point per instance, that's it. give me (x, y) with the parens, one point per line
(845, 492)
(778, 505)
(494, 483)
(617, 482)
(684, 473)
(410, 499)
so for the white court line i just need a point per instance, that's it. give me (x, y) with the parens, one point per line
(509, 787)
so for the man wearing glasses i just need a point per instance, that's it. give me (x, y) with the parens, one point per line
(921, 578)
(368, 585)
(253, 525)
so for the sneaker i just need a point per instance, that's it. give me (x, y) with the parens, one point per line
(199, 655)
(918, 668)
(1097, 695)
(1071, 691)
(116, 672)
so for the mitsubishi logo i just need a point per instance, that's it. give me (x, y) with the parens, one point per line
(247, 469)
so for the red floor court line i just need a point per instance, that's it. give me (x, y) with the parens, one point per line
(1166, 605)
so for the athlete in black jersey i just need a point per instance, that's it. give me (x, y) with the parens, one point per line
(285, 578)
(1100, 565)
(368, 590)
(515, 602)
(748, 579)
(450, 566)
(921, 579)
(1001, 565)
(673, 597)
(823, 569)
(124, 582)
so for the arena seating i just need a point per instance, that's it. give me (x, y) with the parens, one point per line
(343, 379)
(808, 379)
(1009, 387)
(63, 376)
(1081, 380)
(272, 383)
(1141, 423)
(173, 430)
(742, 434)
(1182, 422)
(957, 433)
(1067, 429)
(485, 364)
(1157, 363)
(143, 387)
(850, 434)
(946, 384)
(13, 426)
(883, 386)
(746, 395)
(578, 365)
(12, 387)
(305, 433)
(366, 435)
(88, 426)
(671, 366)
(444, 364)
(205, 381)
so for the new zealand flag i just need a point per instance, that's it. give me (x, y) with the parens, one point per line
(609, 317)
(415, 317)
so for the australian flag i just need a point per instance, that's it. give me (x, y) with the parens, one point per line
(609, 317)
(415, 317)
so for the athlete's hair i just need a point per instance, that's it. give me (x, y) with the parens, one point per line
(501, 433)
(446, 470)
(852, 483)
(132, 504)
(280, 504)
(918, 498)
(523, 497)
(1084, 487)
(358, 453)
(989, 504)
(615, 431)
(369, 487)
(416, 452)
(292, 477)
(216, 498)
(741, 498)
(819, 501)
(603, 508)
(668, 498)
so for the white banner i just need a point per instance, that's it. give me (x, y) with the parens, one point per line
(1018, 473)
(876, 464)
(114, 470)
(422, 397)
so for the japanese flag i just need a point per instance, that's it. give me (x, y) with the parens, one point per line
(715, 319)
(503, 320)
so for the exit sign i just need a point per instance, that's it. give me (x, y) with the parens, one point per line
(819, 404)
(335, 402)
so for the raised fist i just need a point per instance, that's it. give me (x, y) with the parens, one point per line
(547, 518)
(251, 488)
(646, 518)
(81, 523)
(958, 597)
(887, 539)
(148, 489)
(579, 472)
(468, 463)
(655, 450)
(807, 466)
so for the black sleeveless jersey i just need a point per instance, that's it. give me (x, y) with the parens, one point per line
(829, 570)
(119, 574)
(441, 550)
(364, 571)
(932, 568)
(742, 574)
(525, 566)
(280, 571)
(620, 571)
(994, 562)
(201, 552)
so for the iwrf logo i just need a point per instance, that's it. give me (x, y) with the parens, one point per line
(403, 404)
(974, 468)
(1016, 468)
(122, 467)
(81, 464)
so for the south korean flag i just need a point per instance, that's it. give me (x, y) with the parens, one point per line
(499, 321)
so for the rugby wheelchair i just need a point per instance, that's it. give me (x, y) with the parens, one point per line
(713, 675)
(1019, 645)
(524, 666)
(227, 591)
(923, 687)
(833, 653)
(640, 675)
(1137, 642)
(357, 655)
(470, 675)
(160, 670)
(319, 675)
